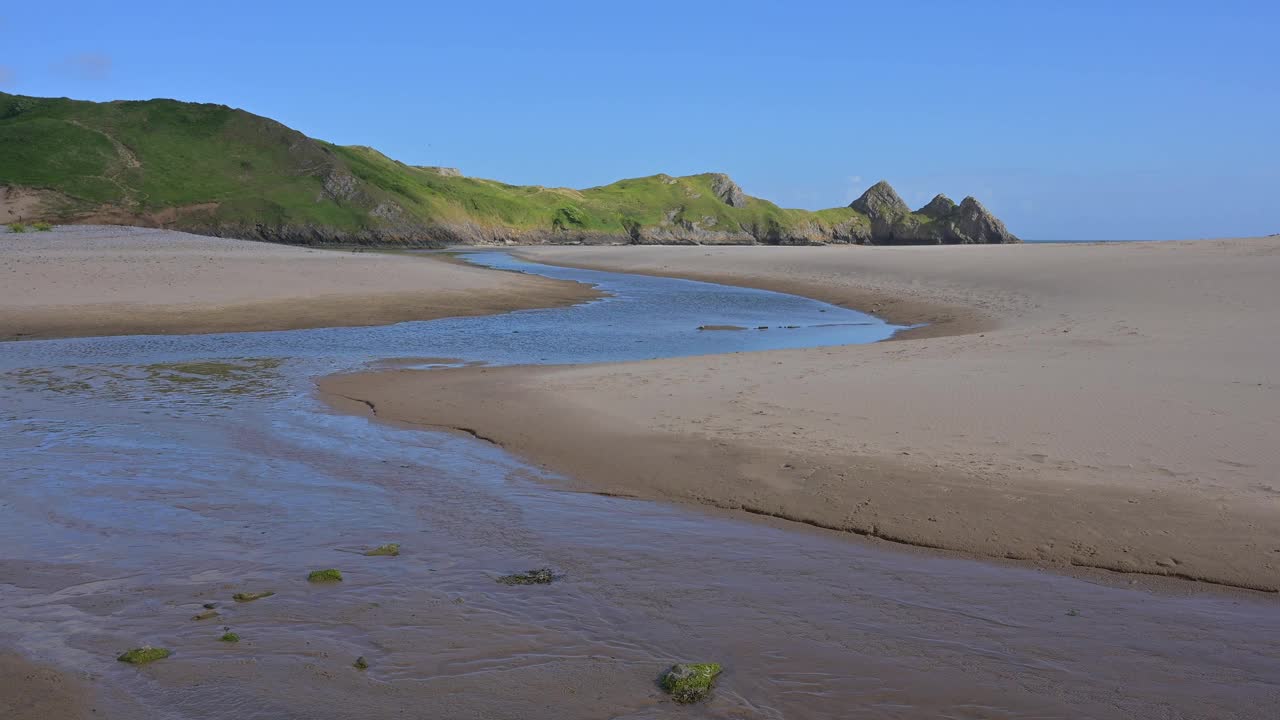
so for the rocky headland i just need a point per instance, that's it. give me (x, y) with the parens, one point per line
(216, 170)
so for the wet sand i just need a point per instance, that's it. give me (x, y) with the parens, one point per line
(250, 491)
(107, 280)
(1102, 406)
(32, 692)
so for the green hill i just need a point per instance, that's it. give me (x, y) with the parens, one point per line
(218, 170)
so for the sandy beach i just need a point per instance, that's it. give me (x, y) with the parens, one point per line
(1098, 405)
(108, 280)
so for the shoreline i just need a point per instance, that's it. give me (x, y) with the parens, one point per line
(731, 432)
(90, 281)
(934, 319)
(504, 407)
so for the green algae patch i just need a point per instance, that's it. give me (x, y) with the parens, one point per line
(360, 663)
(229, 637)
(324, 576)
(254, 377)
(390, 549)
(251, 596)
(690, 682)
(144, 655)
(540, 576)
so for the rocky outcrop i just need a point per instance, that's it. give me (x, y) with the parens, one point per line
(341, 186)
(941, 221)
(728, 191)
(441, 171)
(939, 207)
(972, 223)
(881, 203)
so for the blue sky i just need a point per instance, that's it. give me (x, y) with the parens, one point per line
(1070, 120)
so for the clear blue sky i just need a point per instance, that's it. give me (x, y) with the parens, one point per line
(1071, 120)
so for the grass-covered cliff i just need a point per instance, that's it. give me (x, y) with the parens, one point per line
(214, 169)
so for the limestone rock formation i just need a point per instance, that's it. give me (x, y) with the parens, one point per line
(972, 223)
(939, 207)
(941, 221)
(728, 191)
(881, 202)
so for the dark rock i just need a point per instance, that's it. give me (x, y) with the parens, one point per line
(540, 576)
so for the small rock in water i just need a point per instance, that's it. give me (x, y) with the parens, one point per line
(329, 575)
(251, 596)
(230, 637)
(144, 654)
(209, 606)
(391, 549)
(541, 576)
(205, 615)
(360, 663)
(690, 682)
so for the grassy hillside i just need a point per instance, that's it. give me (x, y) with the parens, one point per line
(145, 157)
(211, 168)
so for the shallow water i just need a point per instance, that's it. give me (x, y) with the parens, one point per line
(146, 476)
(645, 317)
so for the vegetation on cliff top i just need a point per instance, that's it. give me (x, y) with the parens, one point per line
(211, 168)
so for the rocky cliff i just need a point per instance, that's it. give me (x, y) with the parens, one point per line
(940, 221)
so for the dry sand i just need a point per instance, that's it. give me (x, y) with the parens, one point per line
(107, 280)
(1112, 406)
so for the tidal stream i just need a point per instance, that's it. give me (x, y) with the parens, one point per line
(145, 476)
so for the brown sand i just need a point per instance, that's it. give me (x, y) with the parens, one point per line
(33, 692)
(106, 280)
(1110, 406)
